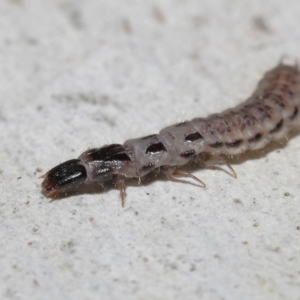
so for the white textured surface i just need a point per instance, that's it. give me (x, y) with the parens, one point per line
(79, 74)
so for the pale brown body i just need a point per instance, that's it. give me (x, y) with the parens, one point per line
(267, 115)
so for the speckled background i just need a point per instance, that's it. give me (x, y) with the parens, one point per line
(80, 74)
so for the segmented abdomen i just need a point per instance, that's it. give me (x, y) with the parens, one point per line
(267, 115)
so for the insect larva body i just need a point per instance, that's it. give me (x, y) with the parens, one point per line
(267, 115)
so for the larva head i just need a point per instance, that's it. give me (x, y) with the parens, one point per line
(63, 177)
(102, 163)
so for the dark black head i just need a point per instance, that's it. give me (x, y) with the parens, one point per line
(63, 177)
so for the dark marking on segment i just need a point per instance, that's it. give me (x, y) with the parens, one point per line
(216, 145)
(107, 153)
(210, 128)
(234, 144)
(155, 148)
(256, 138)
(263, 112)
(187, 154)
(193, 137)
(278, 100)
(119, 156)
(295, 113)
(277, 127)
(221, 124)
(259, 111)
(285, 88)
(113, 148)
(264, 96)
(291, 94)
(242, 119)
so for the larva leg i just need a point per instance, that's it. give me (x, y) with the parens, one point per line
(120, 184)
(179, 173)
(215, 160)
(175, 174)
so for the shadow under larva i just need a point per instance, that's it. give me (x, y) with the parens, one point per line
(249, 131)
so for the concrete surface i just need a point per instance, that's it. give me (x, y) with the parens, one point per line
(80, 74)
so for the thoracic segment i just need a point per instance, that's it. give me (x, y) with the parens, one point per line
(267, 115)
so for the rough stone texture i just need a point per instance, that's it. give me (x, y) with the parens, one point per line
(80, 74)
